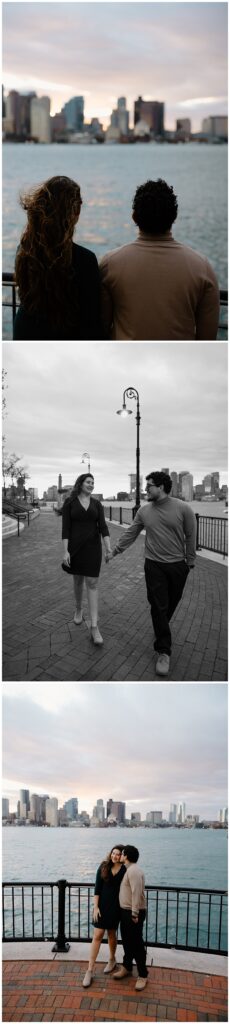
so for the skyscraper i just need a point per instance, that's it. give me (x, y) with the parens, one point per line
(24, 798)
(74, 113)
(152, 112)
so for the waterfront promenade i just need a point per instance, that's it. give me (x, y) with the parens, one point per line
(41, 641)
(39, 985)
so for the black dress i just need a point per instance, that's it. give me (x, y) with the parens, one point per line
(83, 529)
(85, 277)
(108, 892)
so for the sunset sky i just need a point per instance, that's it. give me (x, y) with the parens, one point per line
(74, 741)
(172, 52)
(62, 401)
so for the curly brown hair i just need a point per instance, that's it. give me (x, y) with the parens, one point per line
(43, 267)
(105, 866)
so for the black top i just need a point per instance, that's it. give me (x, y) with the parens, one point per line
(34, 327)
(80, 525)
(108, 892)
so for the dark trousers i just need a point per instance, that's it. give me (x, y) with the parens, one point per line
(165, 583)
(134, 948)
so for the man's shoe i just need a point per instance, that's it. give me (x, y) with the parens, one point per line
(96, 636)
(162, 665)
(77, 618)
(110, 967)
(122, 973)
(140, 984)
(87, 979)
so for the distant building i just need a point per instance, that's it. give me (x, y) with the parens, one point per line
(5, 807)
(141, 130)
(40, 119)
(116, 809)
(207, 483)
(216, 127)
(174, 485)
(183, 129)
(135, 818)
(52, 812)
(152, 112)
(73, 112)
(187, 487)
(24, 798)
(132, 484)
(181, 813)
(223, 815)
(165, 471)
(71, 808)
(52, 493)
(154, 817)
(173, 814)
(215, 483)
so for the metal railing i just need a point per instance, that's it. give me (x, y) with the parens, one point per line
(212, 534)
(178, 918)
(16, 510)
(11, 302)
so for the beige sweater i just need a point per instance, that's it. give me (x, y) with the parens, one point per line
(158, 289)
(132, 890)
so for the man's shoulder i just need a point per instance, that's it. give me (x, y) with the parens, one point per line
(117, 254)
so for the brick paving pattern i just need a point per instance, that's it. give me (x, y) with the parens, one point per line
(41, 641)
(41, 991)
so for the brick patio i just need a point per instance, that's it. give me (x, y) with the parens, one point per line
(41, 642)
(41, 991)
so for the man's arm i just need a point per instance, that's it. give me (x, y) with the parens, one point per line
(130, 535)
(190, 536)
(135, 882)
(207, 312)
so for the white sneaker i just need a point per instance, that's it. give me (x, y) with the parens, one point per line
(162, 665)
(77, 618)
(110, 967)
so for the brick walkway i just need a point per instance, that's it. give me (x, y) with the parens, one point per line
(40, 991)
(41, 642)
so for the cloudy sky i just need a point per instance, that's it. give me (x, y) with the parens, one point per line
(172, 52)
(62, 401)
(74, 741)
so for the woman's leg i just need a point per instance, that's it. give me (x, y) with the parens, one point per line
(78, 584)
(95, 946)
(92, 594)
(96, 942)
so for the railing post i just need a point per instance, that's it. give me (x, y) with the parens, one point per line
(110, 512)
(197, 530)
(120, 510)
(18, 526)
(61, 944)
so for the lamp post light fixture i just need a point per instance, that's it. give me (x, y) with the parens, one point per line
(86, 456)
(133, 393)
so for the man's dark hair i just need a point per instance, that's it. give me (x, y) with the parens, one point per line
(155, 207)
(132, 853)
(161, 478)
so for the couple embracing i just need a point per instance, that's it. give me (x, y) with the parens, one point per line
(170, 550)
(119, 898)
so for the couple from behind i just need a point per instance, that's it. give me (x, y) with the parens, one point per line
(119, 898)
(155, 288)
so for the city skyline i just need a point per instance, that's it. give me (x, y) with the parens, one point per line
(62, 401)
(176, 752)
(126, 41)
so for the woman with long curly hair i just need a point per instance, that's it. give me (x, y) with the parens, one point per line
(106, 910)
(58, 280)
(83, 524)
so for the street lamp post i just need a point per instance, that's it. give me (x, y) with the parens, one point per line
(86, 456)
(133, 393)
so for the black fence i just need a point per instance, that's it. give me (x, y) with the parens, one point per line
(178, 918)
(212, 531)
(10, 303)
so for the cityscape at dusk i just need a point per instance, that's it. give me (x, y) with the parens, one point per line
(173, 54)
(180, 756)
(64, 404)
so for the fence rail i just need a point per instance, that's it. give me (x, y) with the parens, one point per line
(212, 531)
(11, 302)
(178, 918)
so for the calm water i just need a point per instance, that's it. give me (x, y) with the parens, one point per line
(108, 176)
(168, 857)
(204, 508)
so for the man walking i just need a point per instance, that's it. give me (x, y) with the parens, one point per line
(170, 551)
(132, 904)
(156, 288)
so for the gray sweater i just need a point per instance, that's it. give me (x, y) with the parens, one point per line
(170, 527)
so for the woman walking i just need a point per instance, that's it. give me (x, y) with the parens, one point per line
(106, 912)
(58, 281)
(83, 524)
